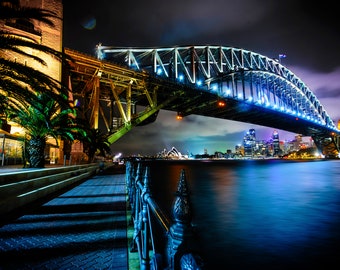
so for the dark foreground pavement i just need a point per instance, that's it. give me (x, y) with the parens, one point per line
(82, 228)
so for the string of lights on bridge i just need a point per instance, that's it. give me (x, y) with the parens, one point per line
(234, 61)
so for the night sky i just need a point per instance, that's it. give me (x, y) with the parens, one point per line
(307, 33)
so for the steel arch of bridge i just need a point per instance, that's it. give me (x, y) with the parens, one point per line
(190, 80)
(220, 70)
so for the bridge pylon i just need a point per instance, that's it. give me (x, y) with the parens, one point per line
(108, 95)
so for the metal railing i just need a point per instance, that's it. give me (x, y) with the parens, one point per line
(178, 250)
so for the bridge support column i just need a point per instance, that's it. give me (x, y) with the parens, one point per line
(95, 101)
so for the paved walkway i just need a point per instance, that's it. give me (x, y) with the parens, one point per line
(83, 228)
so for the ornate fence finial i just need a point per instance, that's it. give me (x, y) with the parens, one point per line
(182, 209)
(181, 233)
(139, 172)
(146, 189)
(146, 176)
(180, 252)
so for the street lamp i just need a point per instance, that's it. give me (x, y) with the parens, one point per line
(281, 56)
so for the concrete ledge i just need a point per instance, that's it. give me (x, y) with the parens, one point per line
(20, 188)
(25, 174)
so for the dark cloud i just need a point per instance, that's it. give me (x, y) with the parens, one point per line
(327, 93)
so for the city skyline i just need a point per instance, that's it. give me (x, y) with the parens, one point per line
(302, 140)
(305, 34)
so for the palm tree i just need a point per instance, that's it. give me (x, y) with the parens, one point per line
(96, 141)
(43, 118)
(16, 78)
(28, 97)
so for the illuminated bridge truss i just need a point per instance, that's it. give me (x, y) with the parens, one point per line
(221, 82)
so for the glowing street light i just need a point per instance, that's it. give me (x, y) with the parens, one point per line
(281, 56)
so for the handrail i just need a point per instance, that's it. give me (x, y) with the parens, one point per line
(179, 251)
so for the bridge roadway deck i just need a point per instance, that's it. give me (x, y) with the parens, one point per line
(84, 227)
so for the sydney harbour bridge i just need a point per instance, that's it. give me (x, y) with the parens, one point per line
(121, 88)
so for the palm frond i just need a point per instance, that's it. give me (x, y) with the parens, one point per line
(21, 76)
(18, 43)
(27, 13)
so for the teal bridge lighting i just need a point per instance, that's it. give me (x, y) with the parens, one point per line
(255, 88)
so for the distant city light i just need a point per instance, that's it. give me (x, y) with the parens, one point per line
(179, 116)
(117, 156)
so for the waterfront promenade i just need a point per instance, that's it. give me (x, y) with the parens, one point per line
(84, 227)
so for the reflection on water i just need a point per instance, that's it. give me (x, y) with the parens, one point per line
(259, 214)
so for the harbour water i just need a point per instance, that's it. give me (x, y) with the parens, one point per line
(259, 214)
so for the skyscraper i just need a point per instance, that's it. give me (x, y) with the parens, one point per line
(276, 143)
(249, 142)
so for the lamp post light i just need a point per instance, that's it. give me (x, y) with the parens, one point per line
(281, 56)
